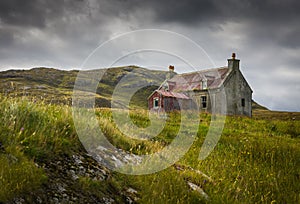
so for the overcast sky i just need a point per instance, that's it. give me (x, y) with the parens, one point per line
(265, 35)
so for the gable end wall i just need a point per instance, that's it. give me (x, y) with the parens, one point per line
(236, 89)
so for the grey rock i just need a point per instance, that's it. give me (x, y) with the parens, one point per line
(198, 189)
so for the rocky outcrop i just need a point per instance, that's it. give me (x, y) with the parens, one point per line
(63, 184)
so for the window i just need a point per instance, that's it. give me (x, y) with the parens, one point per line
(204, 101)
(243, 102)
(155, 102)
(204, 84)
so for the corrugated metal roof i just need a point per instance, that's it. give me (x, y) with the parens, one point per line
(172, 94)
(192, 81)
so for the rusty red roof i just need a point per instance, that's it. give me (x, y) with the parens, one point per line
(172, 94)
(192, 81)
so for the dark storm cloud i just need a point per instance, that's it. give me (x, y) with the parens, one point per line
(34, 12)
(271, 20)
(190, 11)
(23, 13)
(274, 20)
(193, 11)
(267, 22)
(211, 10)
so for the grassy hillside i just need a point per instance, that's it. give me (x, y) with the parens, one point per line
(256, 160)
(56, 86)
(42, 159)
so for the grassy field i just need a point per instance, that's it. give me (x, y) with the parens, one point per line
(257, 160)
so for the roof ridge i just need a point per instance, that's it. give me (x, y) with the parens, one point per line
(204, 70)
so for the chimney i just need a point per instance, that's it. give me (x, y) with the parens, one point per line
(233, 63)
(170, 73)
(171, 68)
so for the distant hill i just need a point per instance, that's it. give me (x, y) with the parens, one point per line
(56, 86)
(256, 106)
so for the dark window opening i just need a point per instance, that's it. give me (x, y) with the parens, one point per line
(155, 102)
(204, 101)
(243, 102)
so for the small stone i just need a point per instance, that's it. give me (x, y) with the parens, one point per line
(129, 200)
(55, 200)
(39, 200)
(77, 159)
(61, 189)
(81, 170)
(108, 200)
(19, 200)
(198, 189)
(131, 190)
(73, 175)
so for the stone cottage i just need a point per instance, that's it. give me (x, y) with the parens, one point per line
(221, 90)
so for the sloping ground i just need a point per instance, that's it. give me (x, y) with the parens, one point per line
(261, 112)
(256, 106)
(56, 86)
(42, 160)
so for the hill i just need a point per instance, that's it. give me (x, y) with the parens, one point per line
(56, 86)
(256, 106)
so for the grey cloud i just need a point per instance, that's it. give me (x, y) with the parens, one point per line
(190, 11)
(35, 13)
(291, 38)
(271, 11)
(193, 11)
(22, 13)
(6, 37)
(270, 21)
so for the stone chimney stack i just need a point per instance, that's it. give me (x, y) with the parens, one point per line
(171, 68)
(171, 72)
(233, 63)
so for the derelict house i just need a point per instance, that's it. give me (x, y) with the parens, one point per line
(221, 90)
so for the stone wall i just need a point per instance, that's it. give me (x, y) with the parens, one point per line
(237, 89)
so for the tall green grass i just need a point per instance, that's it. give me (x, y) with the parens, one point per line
(39, 129)
(252, 163)
(256, 160)
(31, 132)
(18, 174)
